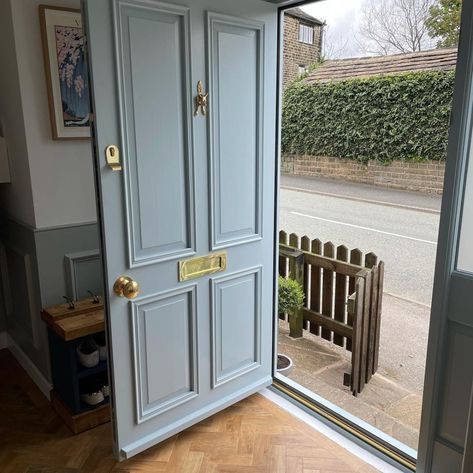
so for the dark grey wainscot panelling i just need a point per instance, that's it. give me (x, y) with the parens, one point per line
(38, 267)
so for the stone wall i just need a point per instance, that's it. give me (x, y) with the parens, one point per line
(297, 53)
(423, 177)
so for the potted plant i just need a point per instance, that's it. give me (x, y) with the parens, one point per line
(290, 299)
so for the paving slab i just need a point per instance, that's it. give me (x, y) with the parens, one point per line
(384, 403)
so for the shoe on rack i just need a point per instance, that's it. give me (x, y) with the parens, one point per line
(106, 390)
(105, 385)
(91, 392)
(92, 398)
(99, 340)
(88, 353)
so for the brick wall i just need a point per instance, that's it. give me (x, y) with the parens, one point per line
(296, 53)
(423, 177)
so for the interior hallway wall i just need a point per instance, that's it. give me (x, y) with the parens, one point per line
(22, 299)
(16, 198)
(61, 171)
(48, 212)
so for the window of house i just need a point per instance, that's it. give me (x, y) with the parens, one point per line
(303, 69)
(306, 34)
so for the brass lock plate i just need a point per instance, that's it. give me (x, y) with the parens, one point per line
(203, 265)
(112, 154)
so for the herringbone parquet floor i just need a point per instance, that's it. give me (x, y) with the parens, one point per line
(254, 436)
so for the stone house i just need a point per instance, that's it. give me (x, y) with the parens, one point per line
(303, 36)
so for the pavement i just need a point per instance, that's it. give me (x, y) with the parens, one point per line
(401, 228)
(369, 192)
(385, 404)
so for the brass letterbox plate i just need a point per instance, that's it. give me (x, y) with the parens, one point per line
(201, 266)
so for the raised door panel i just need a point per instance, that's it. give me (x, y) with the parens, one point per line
(165, 351)
(236, 325)
(445, 459)
(153, 60)
(236, 79)
(457, 385)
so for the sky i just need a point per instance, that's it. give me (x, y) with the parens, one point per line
(342, 18)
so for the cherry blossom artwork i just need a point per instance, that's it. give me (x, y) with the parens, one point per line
(66, 70)
(73, 75)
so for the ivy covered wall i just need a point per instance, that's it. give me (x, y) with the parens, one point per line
(398, 117)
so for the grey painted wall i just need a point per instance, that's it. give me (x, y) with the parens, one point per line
(34, 276)
(52, 185)
(52, 246)
(21, 292)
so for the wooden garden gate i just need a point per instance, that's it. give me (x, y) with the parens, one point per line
(343, 299)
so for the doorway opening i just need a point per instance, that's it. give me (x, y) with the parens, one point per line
(364, 132)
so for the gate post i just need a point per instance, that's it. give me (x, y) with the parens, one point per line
(296, 272)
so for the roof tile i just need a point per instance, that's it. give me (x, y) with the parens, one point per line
(301, 14)
(444, 59)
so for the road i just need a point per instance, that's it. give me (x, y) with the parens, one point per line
(401, 228)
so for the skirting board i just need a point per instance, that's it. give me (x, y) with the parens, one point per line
(3, 340)
(38, 378)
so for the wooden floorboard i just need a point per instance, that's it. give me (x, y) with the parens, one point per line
(253, 436)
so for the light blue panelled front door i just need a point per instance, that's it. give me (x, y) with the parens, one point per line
(190, 185)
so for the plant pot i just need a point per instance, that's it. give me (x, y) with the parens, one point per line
(284, 365)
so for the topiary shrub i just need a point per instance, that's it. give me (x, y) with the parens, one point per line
(290, 296)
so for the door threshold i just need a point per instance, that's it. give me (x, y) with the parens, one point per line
(293, 407)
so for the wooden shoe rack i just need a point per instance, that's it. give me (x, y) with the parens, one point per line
(67, 328)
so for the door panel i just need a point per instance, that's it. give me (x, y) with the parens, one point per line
(181, 351)
(458, 379)
(154, 51)
(236, 82)
(236, 318)
(165, 328)
(445, 459)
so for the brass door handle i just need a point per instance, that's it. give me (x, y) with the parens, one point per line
(126, 287)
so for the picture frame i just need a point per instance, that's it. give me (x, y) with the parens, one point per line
(66, 69)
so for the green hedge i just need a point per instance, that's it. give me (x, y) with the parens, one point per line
(402, 117)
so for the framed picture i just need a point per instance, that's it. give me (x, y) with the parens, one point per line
(66, 72)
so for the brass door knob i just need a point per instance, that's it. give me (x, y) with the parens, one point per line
(126, 287)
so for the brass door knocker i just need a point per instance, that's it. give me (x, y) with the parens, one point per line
(201, 100)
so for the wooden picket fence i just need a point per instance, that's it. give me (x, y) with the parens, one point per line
(343, 299)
